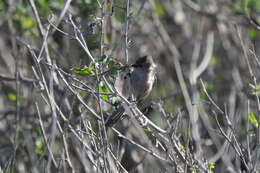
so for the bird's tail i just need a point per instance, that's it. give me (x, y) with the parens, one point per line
(115, 116)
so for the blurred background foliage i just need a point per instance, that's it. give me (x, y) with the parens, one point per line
(188, 25)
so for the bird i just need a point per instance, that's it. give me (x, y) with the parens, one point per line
(135, 83)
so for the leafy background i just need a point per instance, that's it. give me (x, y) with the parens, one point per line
(52, 85)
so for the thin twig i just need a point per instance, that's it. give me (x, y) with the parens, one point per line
(44, 133)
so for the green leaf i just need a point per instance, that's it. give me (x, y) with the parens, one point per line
(159, 9)
(114, 66)
(247, 5)
(27, 22)
(112, 62)
(239, 6)
(210, 166)
(39, 147)
(37, 131)
(11, 96)
(114, 71)
(39, 143)
(252, 33)
(107, 6)
(255, 89)
(85, 71)
(147, 130)
(103, 89)
(252, 86)
(193, 170)
(83, 94)
(253, 119)
(44, 4)
(101, 59)
(213, 60)
(181, 148)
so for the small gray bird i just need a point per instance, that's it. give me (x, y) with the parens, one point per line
(135, 84)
